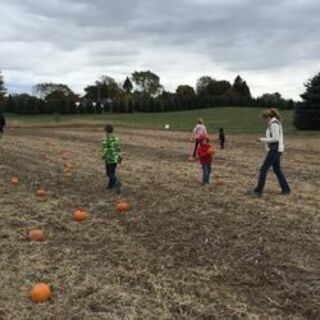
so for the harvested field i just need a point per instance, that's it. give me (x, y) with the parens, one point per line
(181, 252)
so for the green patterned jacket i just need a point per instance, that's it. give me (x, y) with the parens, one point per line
(111, 149)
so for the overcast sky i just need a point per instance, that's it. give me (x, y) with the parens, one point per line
(273, 44)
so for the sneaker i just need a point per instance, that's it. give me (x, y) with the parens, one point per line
(254, 193)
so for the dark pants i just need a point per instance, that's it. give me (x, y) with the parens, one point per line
(222, 141)
(196, 144)
(206, 172)
(272, 159)
(111, 174)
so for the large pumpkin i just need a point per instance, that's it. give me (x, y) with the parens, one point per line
(15, 181)
(36, 235)
(122, 206)
(80, 215)
(41, 292)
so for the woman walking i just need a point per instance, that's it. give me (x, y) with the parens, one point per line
(274, 144)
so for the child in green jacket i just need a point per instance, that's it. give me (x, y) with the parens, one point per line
(112, 156)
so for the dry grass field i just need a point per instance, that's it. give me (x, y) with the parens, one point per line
(181, 252)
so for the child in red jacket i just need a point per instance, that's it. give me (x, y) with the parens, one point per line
(206, 152)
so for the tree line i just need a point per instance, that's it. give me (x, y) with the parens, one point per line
(141, 92)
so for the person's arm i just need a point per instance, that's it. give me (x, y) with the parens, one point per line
(117, 149)
(104, 149)
(193, 136)
(275, 134)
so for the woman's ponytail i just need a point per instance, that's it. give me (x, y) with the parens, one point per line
(272, 113)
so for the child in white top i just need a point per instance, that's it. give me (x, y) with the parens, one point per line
(199, 130)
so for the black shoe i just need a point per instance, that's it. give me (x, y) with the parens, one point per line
(254, 193)
(285, 193)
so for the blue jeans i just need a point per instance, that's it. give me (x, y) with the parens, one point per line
(272, 159)
(206, 172)
(111, 174)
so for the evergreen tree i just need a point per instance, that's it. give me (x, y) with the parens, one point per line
(2, 87)
(307, 113)
(241, 88)
(127, 86)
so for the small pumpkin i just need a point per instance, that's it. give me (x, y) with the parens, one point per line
(15, 181)
(36, 235)
(219, 182)
(41, 193)
(80, 215)
(122, 206)
(212, 151)
(41, 292)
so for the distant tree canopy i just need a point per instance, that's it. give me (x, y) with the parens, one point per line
(142, 92)
(307, 113)
(240, 88)
(147, 83)
(127, 85)
(2, 87)
(44, 89)
(105, 88)
(185, 90)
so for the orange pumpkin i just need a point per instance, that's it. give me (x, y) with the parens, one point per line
(36, 235)
(122, 206)
(15, 181)
(41, 193)
(41, 292)
(211, 151)
(219, 182)
(80, 215)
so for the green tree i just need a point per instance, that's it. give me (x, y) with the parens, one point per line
(44, 89)
(147, 83)
(185, 90)
(203, 85)
(307, 113)
(2, 90)
(240, 88)
(105, 88)
(127, 86)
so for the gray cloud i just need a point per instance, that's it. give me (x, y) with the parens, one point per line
(75, 41)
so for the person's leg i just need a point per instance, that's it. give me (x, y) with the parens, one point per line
(112, 175)
(209, 171)
(264, 171)
(195, 148)
(204, 174)
(108, 170)
(279, 173)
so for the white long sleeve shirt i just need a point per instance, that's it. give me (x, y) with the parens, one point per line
(274, 134)
(199, 130)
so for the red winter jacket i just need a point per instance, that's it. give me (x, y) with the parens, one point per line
(203, 154)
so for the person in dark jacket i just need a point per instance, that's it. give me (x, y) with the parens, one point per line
(222, 138)
(2, 122)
